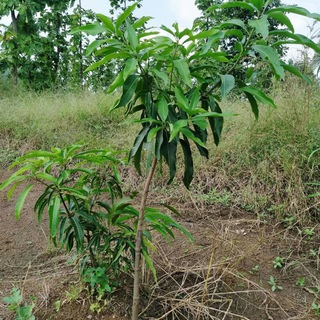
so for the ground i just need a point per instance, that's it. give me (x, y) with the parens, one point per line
(223, 274)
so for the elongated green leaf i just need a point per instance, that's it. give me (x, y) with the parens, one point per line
(161, 75)
(261, 25)
(282, 18)
(183, 70)
(117, 82)
(91, 29)
(272, 57)
(182, 101)
(258, 4)
(132, 36)
(140, 22)
(300, 39)
(106, 21)
(188, 134)
(163, 110)
(254, 104)
(234, 4)
(152, 133)
(93, 46)
(12, 179)
(169, 152)
(158, 144)
(296, 72)
(227, 84)
(205, 34)
(176, 128)
(188, 163)
(54, 216)
(129, 88)
(297, 10)
(216, 122)
(130, 67)
(126, 13)
(139, 141)
(259, 95)
(236, 22)
(21, 200)
(106, 59)
(78, 231)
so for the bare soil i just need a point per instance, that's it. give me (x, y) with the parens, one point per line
(223, 274)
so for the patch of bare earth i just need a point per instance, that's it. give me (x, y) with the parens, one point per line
(223, 274)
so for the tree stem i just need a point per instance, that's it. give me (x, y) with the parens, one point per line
(137, 267)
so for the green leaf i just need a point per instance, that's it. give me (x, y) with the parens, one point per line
(236, 22)
(235, 4)
(161, 75)
(138, 142)
(117, 82)
(261, 25)
(182, 101)
(152, 133)
(21, 200)
(129, 88)
(140, 22)
(227, 84)
(296, 10)
(258, 4)
(93, 46)
(282, 18)
(132, 36)
(259, 95)
(130, 67)
(106, 21)
(254, 104)
(272, 57)
(91, 29)
(169, 151)
(163, 110)
(188, 134)
(183, 70)
(126, 13)
(54, 216)
(300, 39)
(177, 126)
(12, 179)
(188, 163)
(205, 34)
(106, 59)
(296, 72)
(78, 230)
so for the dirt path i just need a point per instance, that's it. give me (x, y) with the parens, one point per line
(224, 274)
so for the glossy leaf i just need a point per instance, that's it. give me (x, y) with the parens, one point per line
(227, 84)
(272, 57)
(20, 201)
(108, 23)
(163, 109)
(123, 16)
(54, 216)
(259, 95)
(183, 70)
(261, 25)
(188, 163)
(282, 18)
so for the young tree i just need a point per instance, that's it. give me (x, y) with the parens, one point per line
(176, 82)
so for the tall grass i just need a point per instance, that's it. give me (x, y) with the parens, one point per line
(261, 166)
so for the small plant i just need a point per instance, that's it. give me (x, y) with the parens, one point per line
(316, 308)
(254, 269)
(14, 304)
(309, 233)
(288, 221)
(301, 282)
(279, 262)
(274, 286)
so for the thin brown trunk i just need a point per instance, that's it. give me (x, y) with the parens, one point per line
(15, 30)
(137, 267)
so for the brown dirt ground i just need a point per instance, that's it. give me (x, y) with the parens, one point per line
(214, 277)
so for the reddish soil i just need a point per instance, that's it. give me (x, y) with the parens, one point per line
(223, 274)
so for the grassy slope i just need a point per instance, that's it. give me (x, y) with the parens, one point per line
(260, 166)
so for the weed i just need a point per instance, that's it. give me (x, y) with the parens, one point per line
(309, 233)
(279, 262)
(301, 282)
(274, 285)
(316, 308)
(14, 304)
(254, 269)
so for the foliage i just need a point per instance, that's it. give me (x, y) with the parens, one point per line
(274, 285)
(14, 304)
(176, 83)
(86, 207)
